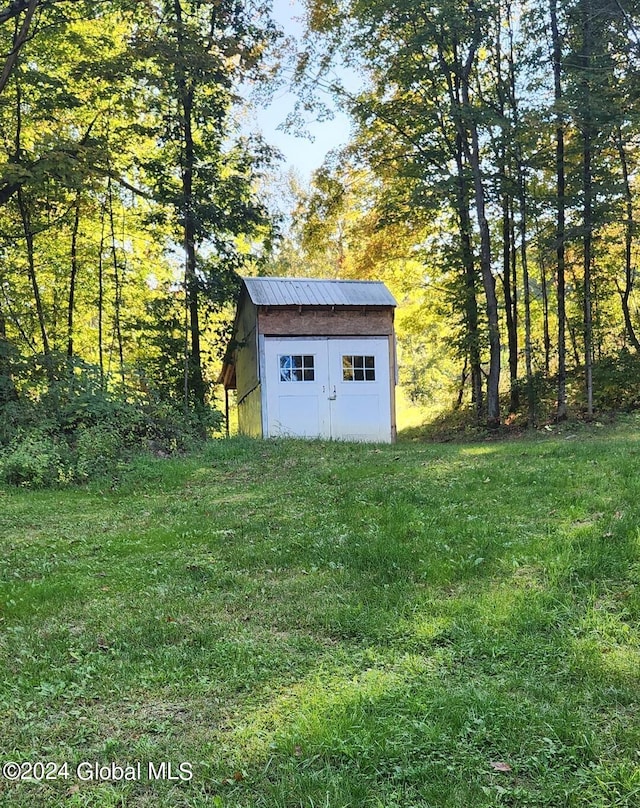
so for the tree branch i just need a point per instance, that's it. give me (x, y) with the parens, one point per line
(29, 7)
(15, 8)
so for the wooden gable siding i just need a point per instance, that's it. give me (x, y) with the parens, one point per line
(324, 322)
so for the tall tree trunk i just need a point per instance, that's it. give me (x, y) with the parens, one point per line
(457, 75)
(531, 394)
(515, 391)
(488, 280)
(524, 260)
(628, 243)
(506, 144)
(510, 301)
(546, 331)
(587, 258)
(31, 270)
(28, 236)
(561, 405)
(73, 275)
(544, 290)
(463, 381)
(117, 282)
(185, 98)
(101, 298)
(521, 191)
(472, 337)
(471, 316)
(573, 337)
(8, 390)
(587, 211)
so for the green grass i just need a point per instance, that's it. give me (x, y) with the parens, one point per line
(316, 624)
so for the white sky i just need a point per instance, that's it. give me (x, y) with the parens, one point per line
(301, 153)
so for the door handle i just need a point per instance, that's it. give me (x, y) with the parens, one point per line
(332, 397)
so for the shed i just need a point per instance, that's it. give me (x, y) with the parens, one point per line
(313, 358)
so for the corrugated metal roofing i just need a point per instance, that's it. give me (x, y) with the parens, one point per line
(317, 292)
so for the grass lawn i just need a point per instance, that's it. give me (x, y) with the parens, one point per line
(316, 624)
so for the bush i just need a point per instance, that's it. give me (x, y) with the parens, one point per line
(51, 453)
(97, 450)
(616, 383)
(73, 429)
(35, 461)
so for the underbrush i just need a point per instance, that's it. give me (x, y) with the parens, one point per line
(73, 430)
(616, 391)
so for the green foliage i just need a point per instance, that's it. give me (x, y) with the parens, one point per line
(439, 72)
(35, 461)
(73, 429)
(616, 383)
(96, 136)
(617, 386)
(97, 450)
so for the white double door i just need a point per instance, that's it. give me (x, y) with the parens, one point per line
(327, 388)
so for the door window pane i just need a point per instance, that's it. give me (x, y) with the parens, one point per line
(358, 368)
(297, 368)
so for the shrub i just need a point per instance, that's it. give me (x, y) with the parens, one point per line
(97, 450)
(35, 461)
(616, 382)
(64, 425)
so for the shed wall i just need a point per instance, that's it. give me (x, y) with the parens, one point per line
(254, 323)
(250, 414)
(247, 376)
(293, 322)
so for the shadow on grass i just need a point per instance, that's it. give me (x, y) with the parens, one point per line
(514, 672)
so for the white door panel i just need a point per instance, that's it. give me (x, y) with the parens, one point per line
(296, 382)
(328, 388)
(359, 373)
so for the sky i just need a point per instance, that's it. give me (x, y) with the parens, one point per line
(301, 153)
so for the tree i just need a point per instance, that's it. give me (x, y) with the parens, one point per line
(351, 223)
(117, 141)
(424, 61)
(200, 53)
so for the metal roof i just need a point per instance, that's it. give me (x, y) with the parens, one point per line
(316, 292)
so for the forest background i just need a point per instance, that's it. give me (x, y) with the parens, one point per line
(491, 181)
